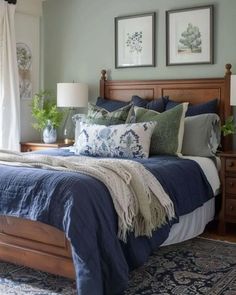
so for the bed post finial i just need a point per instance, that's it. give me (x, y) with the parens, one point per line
(103, 75)
(227, 143)
(102, 83)
(228, 69)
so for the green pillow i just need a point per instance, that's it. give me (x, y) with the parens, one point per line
(100, 116)
(167, 137)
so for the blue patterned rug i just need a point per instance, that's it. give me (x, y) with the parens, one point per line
(197, 266)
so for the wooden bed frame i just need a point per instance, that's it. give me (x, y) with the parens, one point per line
(46, 248)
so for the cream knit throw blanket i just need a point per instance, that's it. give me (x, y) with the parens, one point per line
(139, 199)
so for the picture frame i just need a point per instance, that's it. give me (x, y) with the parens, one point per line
(135, 40)
(189, 36)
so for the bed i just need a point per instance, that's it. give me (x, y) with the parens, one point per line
(41, 246)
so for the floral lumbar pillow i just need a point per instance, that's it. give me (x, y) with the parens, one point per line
(122, 141)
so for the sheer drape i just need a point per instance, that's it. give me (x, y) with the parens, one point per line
(9, 85)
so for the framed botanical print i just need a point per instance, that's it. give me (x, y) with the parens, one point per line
(135, 41)
(189, 36)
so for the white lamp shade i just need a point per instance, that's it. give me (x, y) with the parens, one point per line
(233, 90)
(72, 95)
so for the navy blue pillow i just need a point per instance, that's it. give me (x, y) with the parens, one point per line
(169, 104)
(110, 105)
(197, 109)
(157, 105)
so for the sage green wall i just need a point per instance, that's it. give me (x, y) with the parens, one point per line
(79, 40)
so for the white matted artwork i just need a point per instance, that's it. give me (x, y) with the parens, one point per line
(189, 36)
(28, 53)
(24, 62)
(135, 41)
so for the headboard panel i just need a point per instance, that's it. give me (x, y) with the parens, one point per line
(191, 90)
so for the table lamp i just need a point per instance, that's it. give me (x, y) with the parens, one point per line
(71, 95)
(233, 90)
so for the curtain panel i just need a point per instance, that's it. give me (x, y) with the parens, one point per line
(9, 81)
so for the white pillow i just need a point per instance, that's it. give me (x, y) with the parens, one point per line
(122, 141)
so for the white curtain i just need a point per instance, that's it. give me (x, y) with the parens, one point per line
(9, 85)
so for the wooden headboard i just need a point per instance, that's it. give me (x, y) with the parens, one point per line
(181, 90)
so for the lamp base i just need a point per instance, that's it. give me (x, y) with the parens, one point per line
(69, 128)
(69, 141)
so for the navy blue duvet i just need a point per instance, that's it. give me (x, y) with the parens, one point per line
(81, 206)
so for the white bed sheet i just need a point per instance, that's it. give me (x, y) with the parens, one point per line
(193, 224)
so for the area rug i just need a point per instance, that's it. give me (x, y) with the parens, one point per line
(195, 267)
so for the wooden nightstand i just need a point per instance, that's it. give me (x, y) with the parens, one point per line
(228, 180)
(37, 145)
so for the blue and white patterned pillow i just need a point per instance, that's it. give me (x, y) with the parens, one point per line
(121, 141)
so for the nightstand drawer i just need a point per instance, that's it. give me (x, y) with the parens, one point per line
(230, 207)
(230, 164)
(230, 185)
(228, 178)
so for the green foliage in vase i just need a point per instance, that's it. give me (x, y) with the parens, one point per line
(229, 127)
(44, 108)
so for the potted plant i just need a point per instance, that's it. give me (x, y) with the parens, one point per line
(229, 127)
(46, 114)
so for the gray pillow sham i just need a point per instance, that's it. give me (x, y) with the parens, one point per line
(201, 135)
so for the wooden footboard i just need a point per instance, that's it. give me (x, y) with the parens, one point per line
(35, 245)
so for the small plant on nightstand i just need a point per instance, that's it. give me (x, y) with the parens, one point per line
(46, 114)
(229, 127)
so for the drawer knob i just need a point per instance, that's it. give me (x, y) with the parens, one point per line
(231, 164)
(29, 150)
(231, 208)
(231, 183)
